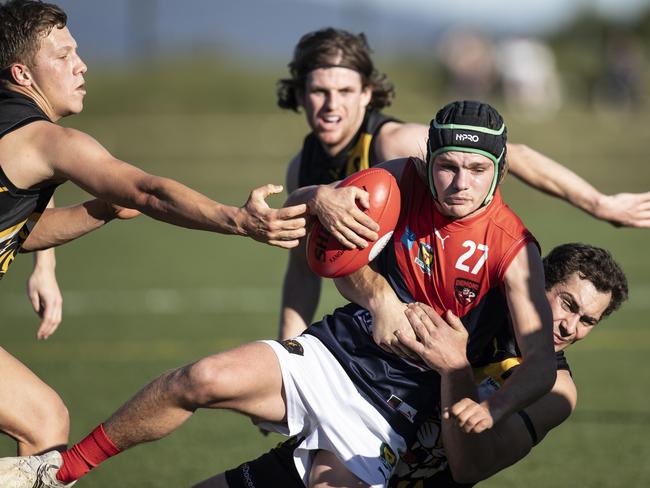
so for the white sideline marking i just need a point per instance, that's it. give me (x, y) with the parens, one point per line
(164, 301)
(170, 301)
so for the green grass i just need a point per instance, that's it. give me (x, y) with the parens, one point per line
(142, 297)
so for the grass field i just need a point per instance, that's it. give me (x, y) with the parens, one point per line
(142, 297)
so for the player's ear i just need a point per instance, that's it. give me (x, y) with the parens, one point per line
(299, 96)
(20, 74)
(504, 172)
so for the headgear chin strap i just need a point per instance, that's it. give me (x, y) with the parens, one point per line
(472, 127)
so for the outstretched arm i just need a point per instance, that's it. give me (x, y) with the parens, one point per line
(547, 175)
(76, 156)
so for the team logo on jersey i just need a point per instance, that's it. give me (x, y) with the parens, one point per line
(408, 238)
(293, 346)
(439, 236)
(466, 290)
(387, 456)
(424, 458)
(425, 257)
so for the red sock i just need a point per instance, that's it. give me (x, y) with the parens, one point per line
(85, 455)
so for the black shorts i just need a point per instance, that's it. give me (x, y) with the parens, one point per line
(270, 470)
(276, 468)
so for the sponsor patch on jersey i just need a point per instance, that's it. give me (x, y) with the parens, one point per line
(387, 456)
(408, 238)
(425, 257)
(466, 290)
(294, 347)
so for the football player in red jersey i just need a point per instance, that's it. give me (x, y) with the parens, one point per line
(584, 285)
(356, 404)
(334, 81)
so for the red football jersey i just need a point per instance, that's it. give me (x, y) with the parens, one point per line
(453, 264)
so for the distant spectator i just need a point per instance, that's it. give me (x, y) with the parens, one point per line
(621, 85)
(468, 59)
(529, 77)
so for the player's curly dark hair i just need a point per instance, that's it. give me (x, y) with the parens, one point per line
(328, 47)
(591, 263)
(23, 23)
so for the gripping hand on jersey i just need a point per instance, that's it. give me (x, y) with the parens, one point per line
(440, 343)
(340, 210)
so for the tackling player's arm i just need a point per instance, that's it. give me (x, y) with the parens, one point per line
(475, 457)
(545, 174)
(76, 156)
(442, 344)
(532, 324)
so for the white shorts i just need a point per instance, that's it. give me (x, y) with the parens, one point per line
(325, 408)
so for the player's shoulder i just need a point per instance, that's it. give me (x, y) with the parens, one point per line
(44, 131)
(505, 218)
(395, 167)
(398, 139)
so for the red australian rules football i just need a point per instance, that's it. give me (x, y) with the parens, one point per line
(327, 257)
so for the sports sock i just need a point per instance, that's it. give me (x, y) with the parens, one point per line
(96, 448)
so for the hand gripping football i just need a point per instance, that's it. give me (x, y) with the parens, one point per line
(327, 257)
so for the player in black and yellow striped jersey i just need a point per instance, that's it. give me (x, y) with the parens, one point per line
(20, 208)
(42, 81)
(334, 81)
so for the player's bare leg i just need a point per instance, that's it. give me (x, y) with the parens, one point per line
(246, 379)
(30, 411)
(328, 471)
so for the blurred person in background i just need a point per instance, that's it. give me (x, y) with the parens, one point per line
(528, 77)
(622, 84)
(469, 61)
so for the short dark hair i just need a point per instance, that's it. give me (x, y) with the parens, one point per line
(592, 264)
(23, 23)
(333, 47)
